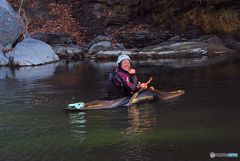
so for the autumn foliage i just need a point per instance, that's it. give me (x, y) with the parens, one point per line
(60, 20)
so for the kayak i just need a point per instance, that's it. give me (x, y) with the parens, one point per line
(150, 94)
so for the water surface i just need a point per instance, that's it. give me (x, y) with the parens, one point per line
(34, 126)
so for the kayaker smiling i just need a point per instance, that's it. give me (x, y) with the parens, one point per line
(123, 81)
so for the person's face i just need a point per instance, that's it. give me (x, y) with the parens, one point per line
(125, 65)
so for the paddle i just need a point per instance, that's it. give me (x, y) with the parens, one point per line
(140, 90)
(167, 95)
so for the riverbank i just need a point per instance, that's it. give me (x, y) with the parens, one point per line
(102, 48)
(58, 47)
(100, 34)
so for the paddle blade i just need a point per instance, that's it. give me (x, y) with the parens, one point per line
(167, 95)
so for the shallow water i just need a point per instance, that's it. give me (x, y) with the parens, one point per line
(34, 126)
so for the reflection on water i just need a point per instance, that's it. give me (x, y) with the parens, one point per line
(77, 124)
(135, 151)
(28, 73)
(139, 120)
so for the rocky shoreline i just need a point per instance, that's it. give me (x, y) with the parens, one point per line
(138, 38)
(102, 48)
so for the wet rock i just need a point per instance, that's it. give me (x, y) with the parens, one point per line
(10, 24)
(175, 50)
(31, 52)
(211, 46)
(68, 52)
(103, 45)
(111, 54)
(205, 46)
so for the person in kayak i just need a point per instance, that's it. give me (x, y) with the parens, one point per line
(123, 81)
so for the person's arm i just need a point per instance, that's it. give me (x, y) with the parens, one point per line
(135, 80)
(129, 82)
(134, 86)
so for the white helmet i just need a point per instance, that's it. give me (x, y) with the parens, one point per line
(123, 57)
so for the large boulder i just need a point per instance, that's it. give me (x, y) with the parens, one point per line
(10, 26)
(62, 44)
(31, 52)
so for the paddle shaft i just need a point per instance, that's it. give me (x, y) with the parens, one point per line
(149, 80)
(141, 89)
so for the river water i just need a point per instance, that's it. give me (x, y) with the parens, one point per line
(34, 126)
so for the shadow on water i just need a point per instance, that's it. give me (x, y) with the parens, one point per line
(34, 126)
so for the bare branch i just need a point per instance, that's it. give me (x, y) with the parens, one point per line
(20, 7)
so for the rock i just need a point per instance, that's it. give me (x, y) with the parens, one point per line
(231, 40)
(31, 52)
(68, 52)
(104, 45)
(111, 54)
(216, 46)
(203, 47)
(96, 16)
(10, 26)
(143, 38)
(53, 38)
(101, 38)
(97, 39)
(3, 60)
(62, 44)
(209, 47)
(119, 46)
(121, 14)
(173, 53)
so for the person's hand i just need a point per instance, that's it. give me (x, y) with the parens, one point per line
(143, 85)
(132, 71)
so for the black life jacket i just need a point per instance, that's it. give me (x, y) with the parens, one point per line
(115, 90)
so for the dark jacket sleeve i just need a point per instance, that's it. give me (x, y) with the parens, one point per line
(134, 81)
(129, 82)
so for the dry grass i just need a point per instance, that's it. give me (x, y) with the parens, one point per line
(209, 20)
